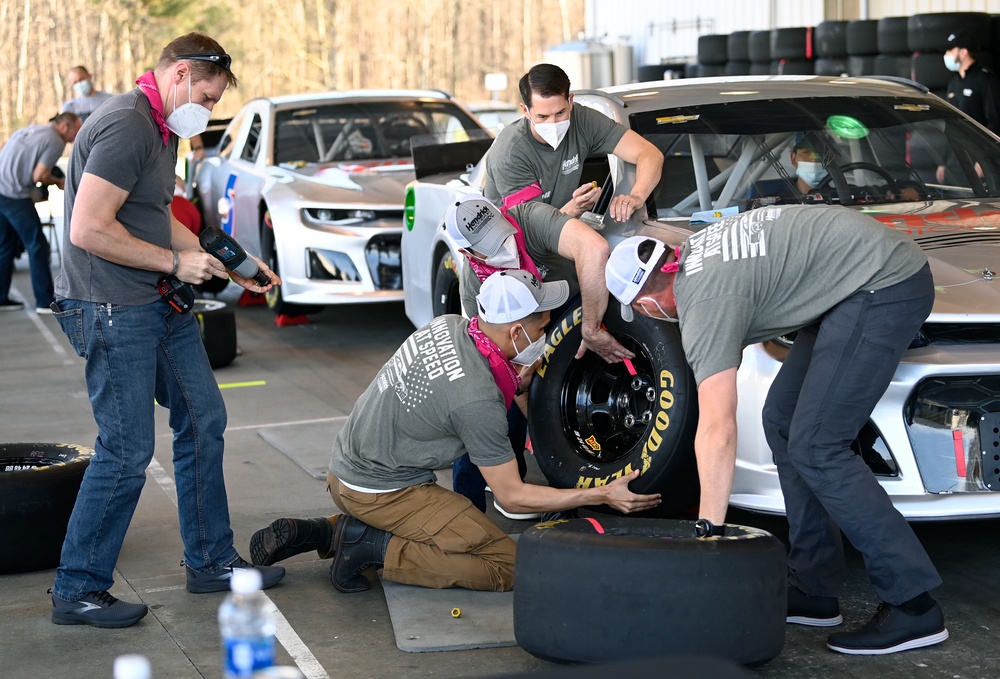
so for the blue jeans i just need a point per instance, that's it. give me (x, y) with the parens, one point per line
(135, 354)
(19, 222)
(825, 391)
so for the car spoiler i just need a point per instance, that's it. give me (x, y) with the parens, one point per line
(433, 156)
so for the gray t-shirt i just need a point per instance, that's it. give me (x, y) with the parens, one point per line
(84, 106)
(122, 145)
(25, 149)
(542, 225)
(432, 402)
(770, 271)
(517, 160)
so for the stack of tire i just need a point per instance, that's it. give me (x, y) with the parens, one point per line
(713, 53)
(894, 54)
(830, 38)
(738, 51)
(927, 40)
(759, 50)
(792, 51)
(862, 46)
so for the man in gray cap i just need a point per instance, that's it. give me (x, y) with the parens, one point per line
(445, 392)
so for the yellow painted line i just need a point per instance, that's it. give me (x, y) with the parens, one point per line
(235, 385)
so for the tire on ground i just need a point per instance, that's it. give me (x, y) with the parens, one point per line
(793, 67)
(611, 588)
(711, 70)
(897, 65)
(217, 323)
(38, 487)
(592, 422)
(830, 38)
(862, 37)
(275, 298)
(834, 67)
(891, 36)
(929, 32)
(447, 297)
(712, 49)
(213, 286)
(860, 65)
(737, 68)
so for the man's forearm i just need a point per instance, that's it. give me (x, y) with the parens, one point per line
(716, 455)
(648, 167)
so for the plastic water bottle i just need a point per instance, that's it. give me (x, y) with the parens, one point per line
(132, 666)
(247, 624)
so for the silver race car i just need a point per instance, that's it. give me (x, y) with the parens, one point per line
(887, 147)
(313, 184)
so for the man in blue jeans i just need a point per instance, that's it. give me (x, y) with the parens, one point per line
(29, 158)
(121, 239)
(857, 292)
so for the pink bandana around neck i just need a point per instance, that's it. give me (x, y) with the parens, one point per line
(506, 376)
(147, 85)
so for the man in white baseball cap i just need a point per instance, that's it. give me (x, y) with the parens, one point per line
(445, 392)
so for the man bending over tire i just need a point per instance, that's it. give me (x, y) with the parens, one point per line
(444, 392)
(857, 292)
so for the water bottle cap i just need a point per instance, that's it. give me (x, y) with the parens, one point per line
(245, 580)
(132, 667)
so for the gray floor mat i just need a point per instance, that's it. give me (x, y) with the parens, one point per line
(308, 445)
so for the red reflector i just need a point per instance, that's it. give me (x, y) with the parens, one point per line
(956, 435)
(598, 527)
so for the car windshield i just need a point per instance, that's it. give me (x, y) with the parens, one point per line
(362, 131)
(836, 150)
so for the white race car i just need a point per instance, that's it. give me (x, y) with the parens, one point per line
(313, 184)
(933, 441)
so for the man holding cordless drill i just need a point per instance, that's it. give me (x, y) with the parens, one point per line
(120, 241)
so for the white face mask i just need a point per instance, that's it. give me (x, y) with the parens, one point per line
(663, 314)
(190, 119)
(812, 174)
(83, 88)
(506, 257)
(552, 133)
(951, 63)
(532, 352)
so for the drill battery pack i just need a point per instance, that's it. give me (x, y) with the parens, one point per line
(178, 295)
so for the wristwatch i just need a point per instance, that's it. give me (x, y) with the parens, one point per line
(703, 528)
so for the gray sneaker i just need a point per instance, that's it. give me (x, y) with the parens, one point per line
(97, 609)
(202, 583)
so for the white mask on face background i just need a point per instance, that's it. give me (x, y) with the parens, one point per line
(552, 133)
(83, 88)
(811, 173)
(532, 352)
(189, 119)
(951, 63)
(506, 257)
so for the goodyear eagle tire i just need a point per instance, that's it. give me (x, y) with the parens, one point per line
(217, 323)
(612, 588)
(38, 487)
(592, 422)
(447, 296)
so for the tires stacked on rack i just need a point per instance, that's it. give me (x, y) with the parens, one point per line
(792, 51)
(217, 323)
(759, 50)
(712, 55)
(738, 50)
(830, 38)
(894, 54)
(927, 40)
(862, 46)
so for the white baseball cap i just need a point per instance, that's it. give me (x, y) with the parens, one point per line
(513, 294)
(474, 222)
(626, 273)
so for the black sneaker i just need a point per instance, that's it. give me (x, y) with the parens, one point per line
(815, 611)
(97, 609)
(202, 583)
(11, 305)
(892, 630)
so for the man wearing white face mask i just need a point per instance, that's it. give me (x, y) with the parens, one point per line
(809, 171)
(86, 99)
(119, 240)
(857, 292)
(444, 393)
(541, 156)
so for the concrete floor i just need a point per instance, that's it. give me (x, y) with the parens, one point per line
(314, 372)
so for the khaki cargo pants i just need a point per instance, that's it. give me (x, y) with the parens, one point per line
(439, 538)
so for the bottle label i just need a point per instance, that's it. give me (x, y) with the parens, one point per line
(242, 657)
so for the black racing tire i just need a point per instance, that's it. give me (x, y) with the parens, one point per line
(897, 65)
(860, 65)
(929, 32)
(612, 588)
(738, 46)
(760, 69)
(447, 293)
(929, 70)
(759, 47)
(738, 68)
(793, 67)
(790, 43)
(830, 39)
(217, 323)
(690, 70)
(38, 487)
(862, 37)
(651, 72)
(833, 67)
(213, 286)
(275, 301)
(713, 49)
(711, 70)
(592, 422)
(891, 36)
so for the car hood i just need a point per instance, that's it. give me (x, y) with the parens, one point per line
(380, 182)
(962, 242)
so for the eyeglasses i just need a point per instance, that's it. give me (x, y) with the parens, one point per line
(223, 60)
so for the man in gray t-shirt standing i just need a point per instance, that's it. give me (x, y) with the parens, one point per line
(29, 158)
(87, 99)
(857, 292)
(445, 392)
(549, 146)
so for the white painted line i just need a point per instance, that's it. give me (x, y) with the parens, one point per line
(287, 424)
(286, 636)
(43, 329)
(151, 590)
